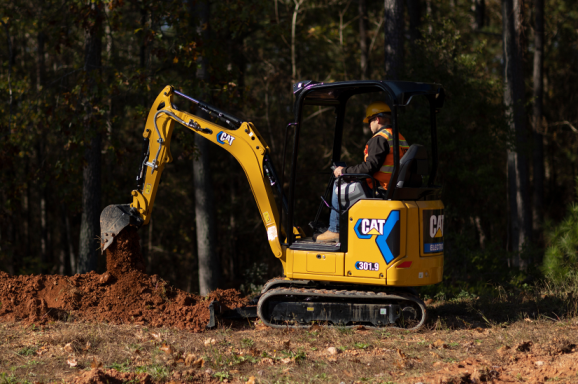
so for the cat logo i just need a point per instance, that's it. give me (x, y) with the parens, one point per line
(372, 226)
(433, 230)
(386, 231)
(224, 137)
(436, 226)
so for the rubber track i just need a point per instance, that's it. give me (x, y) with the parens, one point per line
(347, 294)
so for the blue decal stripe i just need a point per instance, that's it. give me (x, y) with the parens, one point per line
(219, 138)
(381, 240)
(433, 247)
(357, 229)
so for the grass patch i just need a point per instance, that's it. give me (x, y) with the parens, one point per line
(27, 351)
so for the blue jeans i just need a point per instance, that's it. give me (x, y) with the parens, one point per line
(334, 216)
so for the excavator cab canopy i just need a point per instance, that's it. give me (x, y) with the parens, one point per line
(397, 94)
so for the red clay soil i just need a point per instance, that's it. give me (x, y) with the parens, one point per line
(526, 363)
(123, 294)
(112, 376)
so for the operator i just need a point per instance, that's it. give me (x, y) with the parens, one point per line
(378, 160)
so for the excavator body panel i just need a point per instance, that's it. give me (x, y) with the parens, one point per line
(385, 244)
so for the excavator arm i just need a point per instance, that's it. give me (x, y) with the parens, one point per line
(242, 140)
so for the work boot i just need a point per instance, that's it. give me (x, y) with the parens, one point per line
(328, 237)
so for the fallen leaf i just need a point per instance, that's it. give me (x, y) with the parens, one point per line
(234, 371)
(440, 344)
(437, 363)
(199, 363)
(87, 347)
(401, 355)
(347, 373)
(167, 348)
(286, 344)
(157, 337)
(251, 380)
(72, 362)
(314, 327)
(266, 361)
(210, 341)
(190, 359)
(286, 360)
(95, 364)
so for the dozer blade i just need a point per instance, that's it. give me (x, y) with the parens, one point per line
(114, 219)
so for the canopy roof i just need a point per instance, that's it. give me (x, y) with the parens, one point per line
(399, 92)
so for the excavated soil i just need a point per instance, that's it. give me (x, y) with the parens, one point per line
(112, 376)
(123, 294)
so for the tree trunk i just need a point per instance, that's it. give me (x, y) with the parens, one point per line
(89, 225)
(539, 173)
(66, 237)
(209, 265)
(40, 79)
(518, 173)
(479, 10)
(363, 40)
(414, 12)
(293, 37)
(393, 38)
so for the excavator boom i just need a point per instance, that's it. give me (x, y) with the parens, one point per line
(240, 138)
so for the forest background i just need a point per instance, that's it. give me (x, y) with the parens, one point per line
(78, 78)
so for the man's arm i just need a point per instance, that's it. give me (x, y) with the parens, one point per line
(377, 150)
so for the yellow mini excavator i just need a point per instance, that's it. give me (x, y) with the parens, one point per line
(389, 242)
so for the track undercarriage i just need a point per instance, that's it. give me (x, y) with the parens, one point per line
(301, 303)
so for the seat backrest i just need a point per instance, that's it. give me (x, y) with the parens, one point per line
(413, 165)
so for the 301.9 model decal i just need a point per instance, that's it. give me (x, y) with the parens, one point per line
(366, 266)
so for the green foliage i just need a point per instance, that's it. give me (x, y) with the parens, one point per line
(157, 371)
(561, 259)
(247, 342)
(221, 375)
(27, 351)
(121, 367)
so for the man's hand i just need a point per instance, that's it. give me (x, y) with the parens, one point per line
(338, 171)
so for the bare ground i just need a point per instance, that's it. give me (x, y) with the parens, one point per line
(531, 351)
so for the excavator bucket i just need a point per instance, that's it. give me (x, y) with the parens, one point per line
(114, 219)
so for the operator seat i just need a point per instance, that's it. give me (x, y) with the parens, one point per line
(413, 166)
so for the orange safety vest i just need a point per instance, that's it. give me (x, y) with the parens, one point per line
(384, 173)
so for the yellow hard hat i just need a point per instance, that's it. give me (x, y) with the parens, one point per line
(375, 108)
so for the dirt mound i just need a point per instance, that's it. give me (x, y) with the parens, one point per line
(123, 294)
